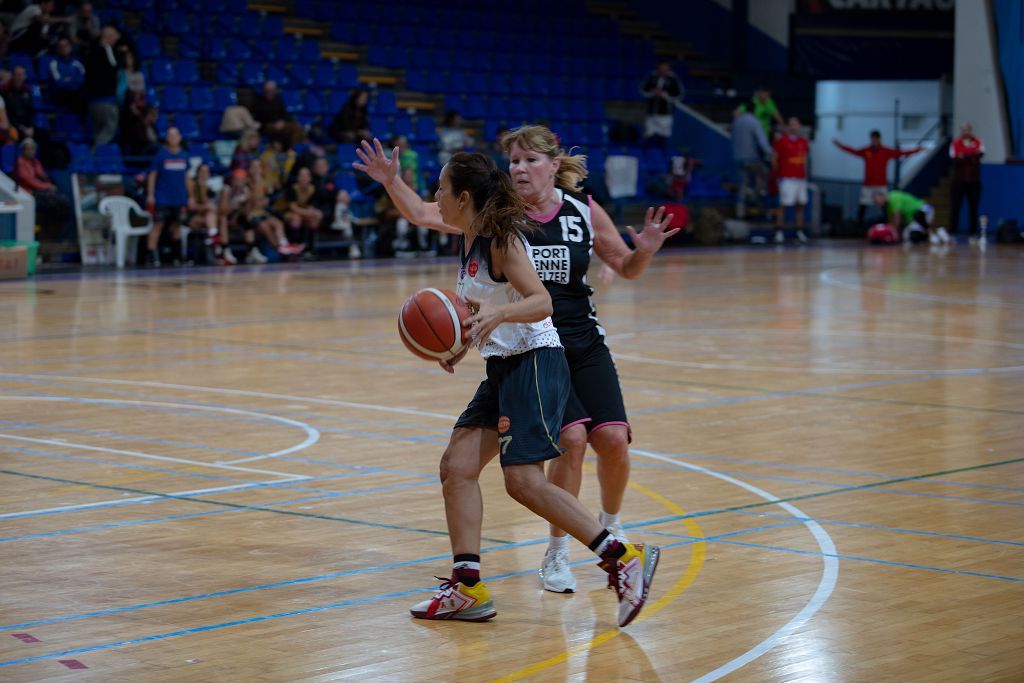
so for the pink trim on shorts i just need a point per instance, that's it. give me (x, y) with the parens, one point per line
(573, 424)
(546, 217)
(629, 430)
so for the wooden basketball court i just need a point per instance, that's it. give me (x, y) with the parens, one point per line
(231, 475)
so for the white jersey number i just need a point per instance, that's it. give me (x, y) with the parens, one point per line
(571, 229)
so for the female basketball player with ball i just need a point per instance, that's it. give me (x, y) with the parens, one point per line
(548, 179)
(518, 409)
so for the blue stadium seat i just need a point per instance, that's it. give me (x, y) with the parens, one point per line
(107, 159)
(380, 126)
(147, 46)
(292, 101)
(161, 72)
(191, 47)
(187, 126)
(338, 98)
(8, 157)
(238, 50)
(161, 125)
(425, 130)
(201, 98)
(277, 74)
(286, 51)
(185, 72)
(474, 107)
(251, 75)
(346, 155)
(70, 128)
(309, 51)
(343, 31)
(273, 26)
(346, 76)
(226, 72)
(41, 121)
(401, 124)
(384, 104)
(174, 98)
(224, 98)
(217, 48)
(301, 75)
(323, 75)
(249, 25)
(178, 23)
(313, 104)
(209, 125)
(81, 158)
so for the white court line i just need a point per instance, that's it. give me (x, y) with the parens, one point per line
(138, 499)
(237, 392)
(153, 456)
(312, 434)
(809, 370)
(829, 574)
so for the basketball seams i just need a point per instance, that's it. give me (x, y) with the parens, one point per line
(456, 323)
(422, 322)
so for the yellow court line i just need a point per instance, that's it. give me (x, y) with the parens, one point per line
(698, 551)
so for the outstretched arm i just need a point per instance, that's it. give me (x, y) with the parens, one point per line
(386, 172)
(847, 148)
(629, 263)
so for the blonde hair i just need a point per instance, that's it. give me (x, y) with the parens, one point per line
(572, 168)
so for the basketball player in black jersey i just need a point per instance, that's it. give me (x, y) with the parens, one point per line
(548, 180)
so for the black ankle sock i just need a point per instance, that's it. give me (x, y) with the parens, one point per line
(612, 550)
(596, 543)
(465, 575)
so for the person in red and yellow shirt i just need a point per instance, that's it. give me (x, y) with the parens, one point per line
(876, 163)
(966, 152)
(789, 163)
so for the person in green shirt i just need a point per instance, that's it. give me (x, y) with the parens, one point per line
(762, 106)
(913, 214)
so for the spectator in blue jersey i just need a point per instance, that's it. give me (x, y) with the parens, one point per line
(67, 77)
(166, 190)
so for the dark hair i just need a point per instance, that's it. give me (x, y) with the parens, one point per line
(501, 213)
(876, 134)
(450, 116)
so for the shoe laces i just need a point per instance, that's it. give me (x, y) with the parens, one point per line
(558, 561)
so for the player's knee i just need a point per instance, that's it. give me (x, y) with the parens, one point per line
(611, 442)
(517, 484)
(574, 442)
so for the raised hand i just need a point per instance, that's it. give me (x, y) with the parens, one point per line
(654, 234)
(375, 162)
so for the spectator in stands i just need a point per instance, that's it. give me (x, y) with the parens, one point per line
(876, 161)
(166, 190)
(32, 30)
(258, 216)
(131, 82)
(85, 25)
(101, 69)
(913, 215)
(202, 215)
(52, 208)
(496, 151)
(268, 109)
(762, 106)
(8, 133)
(451, 138)
(139, 139)
(302, 216)
(247, 151)
(966, 152)
(663, 90)
(277, 160)
(5, 38)
(789, 162)
(18, 100)
(326, 193)
(67, 78)
(237, 121)
(352, 122)
(749, 150)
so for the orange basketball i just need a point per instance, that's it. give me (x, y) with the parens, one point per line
(430, 324)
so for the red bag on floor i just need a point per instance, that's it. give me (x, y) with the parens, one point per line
(680, 216)
(883, 233)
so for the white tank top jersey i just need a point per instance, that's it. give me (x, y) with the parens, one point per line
(477, 283)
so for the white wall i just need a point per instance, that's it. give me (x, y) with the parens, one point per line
(850, 110)
(977, 91)
(772, 18)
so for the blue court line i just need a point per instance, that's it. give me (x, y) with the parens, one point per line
(689, 540)
(840, 556)
(136, 522)
(878, 527)
(325, 577)
(812, 468)
(867, 487)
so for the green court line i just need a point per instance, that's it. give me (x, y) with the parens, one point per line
(237, 506)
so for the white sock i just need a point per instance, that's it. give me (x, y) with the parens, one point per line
(607, 519)
(558, 543)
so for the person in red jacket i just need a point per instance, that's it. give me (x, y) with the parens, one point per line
(52, 208)
(876, 163)
(966, 152)
(789, 163)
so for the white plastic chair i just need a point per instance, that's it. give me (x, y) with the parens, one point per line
(120, 209)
